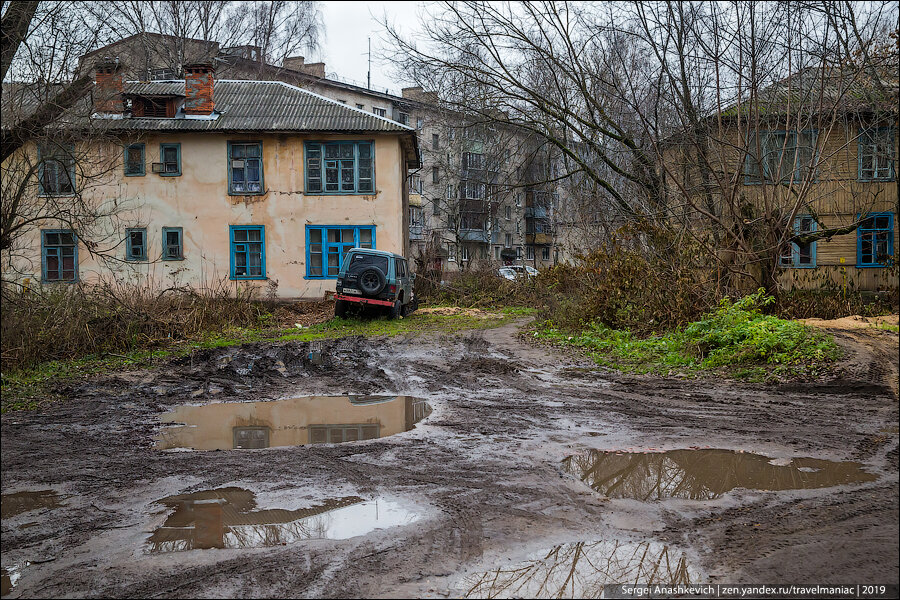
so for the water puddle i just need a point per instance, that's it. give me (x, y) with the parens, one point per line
(704, 474)
(582, 569)
(21, 502)
(9, 576)
(290, 422)
(227, 518)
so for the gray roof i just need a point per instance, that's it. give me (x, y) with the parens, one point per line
(259, 106)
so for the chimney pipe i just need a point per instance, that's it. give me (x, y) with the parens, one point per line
(109, 87)
(198, 89)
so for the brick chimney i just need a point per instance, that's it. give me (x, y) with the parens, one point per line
(108, 87)
(294, 63)
(198, 89)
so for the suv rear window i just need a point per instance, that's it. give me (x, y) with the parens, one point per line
(359, 261)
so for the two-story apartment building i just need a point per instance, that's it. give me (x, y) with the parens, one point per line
(258, 183)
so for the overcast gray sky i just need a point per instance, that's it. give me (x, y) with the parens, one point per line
(348, 25)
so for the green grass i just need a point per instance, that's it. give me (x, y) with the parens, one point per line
(734, 339)
(887, 327)
(29, 388)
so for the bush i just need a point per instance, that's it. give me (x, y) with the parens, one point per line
(732, 334)
(74, 321)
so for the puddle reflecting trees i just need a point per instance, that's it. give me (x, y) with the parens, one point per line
(703, 474)
(582, 569)
(289, 422)
(227, 518)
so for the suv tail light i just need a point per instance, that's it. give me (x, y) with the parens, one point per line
(393, 288)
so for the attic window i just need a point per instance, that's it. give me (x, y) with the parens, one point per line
(153, 107)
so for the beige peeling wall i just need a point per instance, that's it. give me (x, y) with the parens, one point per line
(198, 201)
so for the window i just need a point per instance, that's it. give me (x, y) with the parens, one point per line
(420, 123)
(496, 252)
(508, 210)
(529, 253)
(876, 149)
(449, 191)
(436, 204)
(57, 170)
(342, 101)
(451, 252)
(360, 106)
(785, 156)
(472, 160)
(875, 240)
(339, 168)
(471, 190)
(245, 171)
(134, 160)
(170, 156)
(801, 255)
(416, 217)
(415, 184)
(381, 112)
(545, 253)
(250, 437)
(508, 240)
(173, 245)
(248, 252)
(59, 255)
(327, 245)
(435, 175)
(518, 252)
(518, 227)
(336, 434)
(435, 141)
(518, 200)
(403, 118)
(136, 243)
(464, 253)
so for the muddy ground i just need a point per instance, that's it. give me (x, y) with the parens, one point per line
(483, 472)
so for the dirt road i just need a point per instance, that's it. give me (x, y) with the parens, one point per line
(483, 475)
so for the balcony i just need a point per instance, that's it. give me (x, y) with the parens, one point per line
(415, 232)
(539, 239)
(474, 235)
(536, 212)
(415, 199)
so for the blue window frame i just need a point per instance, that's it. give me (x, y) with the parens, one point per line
(875, 150)
(340, 168)
(801, 256)
(245, 170)
(248, 252)
(785, 156)
(56, 170)
(59, 255)
(136, 243)
(173, 244)
(875, 240)
(134, 160)
(326, 246)
(170, 157)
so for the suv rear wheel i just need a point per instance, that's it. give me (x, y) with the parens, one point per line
(340, 308)
(396, 309)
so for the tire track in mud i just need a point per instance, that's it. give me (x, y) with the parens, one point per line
(486, 464)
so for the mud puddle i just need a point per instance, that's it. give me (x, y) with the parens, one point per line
(704, 474)
(582, 569)
(22, 502)
(9, 576)
(289, 422)
(227, 518)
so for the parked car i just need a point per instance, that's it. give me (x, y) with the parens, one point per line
(377, 278)
(512, 272)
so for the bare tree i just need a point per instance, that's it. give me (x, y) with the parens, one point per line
(662, 111)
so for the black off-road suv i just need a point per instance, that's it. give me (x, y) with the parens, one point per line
(375, 278)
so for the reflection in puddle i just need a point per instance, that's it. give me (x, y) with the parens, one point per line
(226, 518)
(580, 570)
(10, 575)
(291, 422)
(704, 474)
(20, 502)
